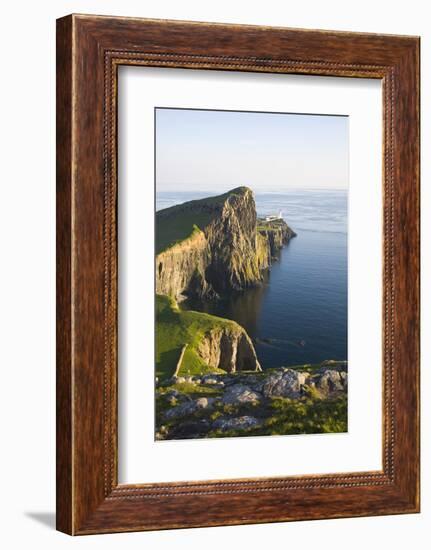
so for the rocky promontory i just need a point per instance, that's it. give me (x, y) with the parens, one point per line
(215, 245)
(195, 343)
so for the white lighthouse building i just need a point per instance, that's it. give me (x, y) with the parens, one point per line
(274, 217)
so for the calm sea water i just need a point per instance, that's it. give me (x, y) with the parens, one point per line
(299, 314)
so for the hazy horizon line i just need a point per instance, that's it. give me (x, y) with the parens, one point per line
(254, 189)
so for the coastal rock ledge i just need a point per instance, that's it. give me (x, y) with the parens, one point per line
(211, 246)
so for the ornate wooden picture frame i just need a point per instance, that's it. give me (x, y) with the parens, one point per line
(89, 51)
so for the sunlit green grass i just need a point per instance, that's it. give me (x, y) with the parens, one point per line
(174, 329)
(177, 223)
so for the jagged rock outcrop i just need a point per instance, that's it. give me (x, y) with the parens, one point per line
(285, 383)
(232, 240)
(228, 348)
(276, 234)
(227, 250)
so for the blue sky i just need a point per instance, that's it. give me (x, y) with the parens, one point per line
(219, 150)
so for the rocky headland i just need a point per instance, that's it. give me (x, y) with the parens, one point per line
(211, 246)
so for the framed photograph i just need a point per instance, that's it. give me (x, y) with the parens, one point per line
(237, 274)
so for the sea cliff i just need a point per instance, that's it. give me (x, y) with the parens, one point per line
(194, 343)
(211, 246)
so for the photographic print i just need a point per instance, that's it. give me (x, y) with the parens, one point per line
(251, 273)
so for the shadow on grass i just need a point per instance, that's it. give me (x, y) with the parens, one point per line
(165, 367)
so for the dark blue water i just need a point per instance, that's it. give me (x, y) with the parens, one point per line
(299, 314)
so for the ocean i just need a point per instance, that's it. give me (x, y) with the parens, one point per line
(299, 314)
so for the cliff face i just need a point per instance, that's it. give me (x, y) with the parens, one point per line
(228, 252)
(229, 349)
(191, 342)
(232, 240)
(182, 267)
(276, 234)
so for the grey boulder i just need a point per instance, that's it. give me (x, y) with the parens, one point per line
(332, 381)
(238, 423)
(188, 408)
(239, 393)
(285, 383)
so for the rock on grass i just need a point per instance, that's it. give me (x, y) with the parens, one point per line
(237, 423)
(240, 394)
(188, 408)
(285, 383)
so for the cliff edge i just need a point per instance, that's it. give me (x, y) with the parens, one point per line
(215, 245)
(192, 343)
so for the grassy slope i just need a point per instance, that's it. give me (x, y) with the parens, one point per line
(178, 222)
(174, 328)
(172, 230)
(293, 416)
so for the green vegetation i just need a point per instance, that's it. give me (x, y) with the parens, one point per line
(277, 416)
(265, 227)
(270, 226)
(175, 229)
(164, 402)
(177, 223)
(192, 390)
(174, 329)
(308, 415)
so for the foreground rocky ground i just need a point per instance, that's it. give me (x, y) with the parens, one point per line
(306, 399)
